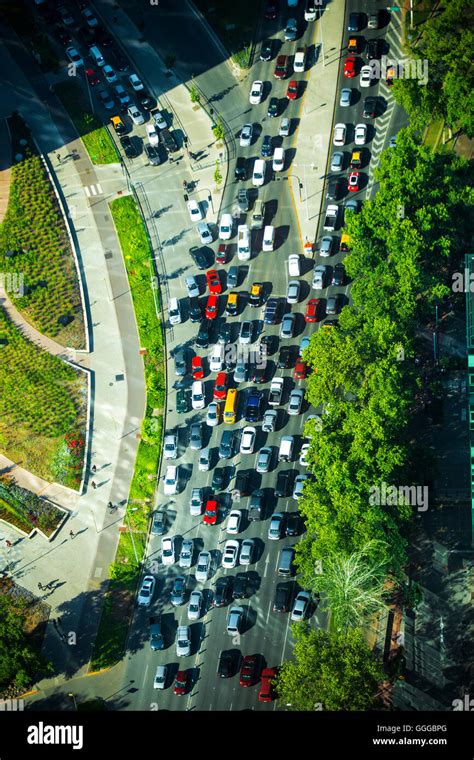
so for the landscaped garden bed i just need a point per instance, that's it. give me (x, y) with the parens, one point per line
(36, 260)
(27, 511)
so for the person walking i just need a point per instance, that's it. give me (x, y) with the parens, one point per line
(71, 534)
(94, 468)
(40, 587)
(94, 484)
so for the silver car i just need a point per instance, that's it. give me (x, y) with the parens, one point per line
(203, 567)
(246, 135)
(246, 330)
(300, 480)
(213, 414)
(319, 277)
(337, 161)
(191, 286)
(293, 292)
(300, 606)
(195, 605)
(264, 459)
(325, 248)
(345, 98)
(287, 326)
(291, 29)
(161, 673)
(186, 553)
(180, 362)
(276, 524)
(240, 371)
(246, 551)
(296, 401)
(195, 436)
(204, 464)
(269, 421)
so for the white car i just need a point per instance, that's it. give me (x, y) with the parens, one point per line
(186, 553)
(183, 641)
(225, 227)
(160, 120)
(205, 234)
(145, 594)
(295, 401)
(300, 480)
(294, 269)
(246, 551)
(293, 291)
(216, 359)
(203, 567)
(170, 447)
(191, 286)
(360, 134)
(304, 454)
(136, 82)
(233, 522)
(284, 129)
(246, 135)
(319, 278)
(170, 486)
(135, 115)
(204, 463)
(325, 246)
(110, 74)
(276, 524)
(195, 605)
(152, 135)
(300, 606)
(194, 210)
(247, 442)
(339, 136)
(258, 174)
(159, 682)
(365, 76)
(197, 395)
(213, 414)
(168, 553)
(89, 17)
(278, 163)
(256, 93)
(74, 56)
(299, 60)
(230, 554)
(174, 311)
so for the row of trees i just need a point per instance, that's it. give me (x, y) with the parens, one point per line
(366, 381)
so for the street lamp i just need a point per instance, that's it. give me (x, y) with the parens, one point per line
(131, 534)
(71, 695)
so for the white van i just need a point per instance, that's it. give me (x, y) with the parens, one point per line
(243, 242)
(258, 175)
(216, 359)
(285, 452)
(96, 56)
(174, 311)
(278, 159)
(268, 238)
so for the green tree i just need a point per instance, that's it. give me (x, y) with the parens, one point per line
(331, 671)
(194, 93)
(217, 174)
(218, 129)
(20, 661)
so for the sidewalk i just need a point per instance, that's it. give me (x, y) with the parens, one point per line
(5, 173)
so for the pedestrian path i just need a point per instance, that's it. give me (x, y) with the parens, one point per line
(5, 163)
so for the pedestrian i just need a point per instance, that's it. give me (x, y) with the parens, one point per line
(8, 543)
(110, 505)
(94, 468)
(94, 484)
(71, 534)
(49, 585)
(58, 156)
(40, 587)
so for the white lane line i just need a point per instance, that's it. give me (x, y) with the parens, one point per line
(266, 566)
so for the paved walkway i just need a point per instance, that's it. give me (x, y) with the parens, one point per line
(5, 162)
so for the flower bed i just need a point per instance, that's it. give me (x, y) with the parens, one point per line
(26, 511)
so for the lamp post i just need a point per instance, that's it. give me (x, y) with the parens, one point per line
(131, 534)
(71, 695)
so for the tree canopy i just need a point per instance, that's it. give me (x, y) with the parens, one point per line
(20, 660)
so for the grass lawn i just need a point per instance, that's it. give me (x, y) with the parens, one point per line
(42, 402)
(94, 135)
(109, 646)
(433, 134)
(35, 251)
(234, 23)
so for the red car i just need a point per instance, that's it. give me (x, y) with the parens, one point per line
(266, 693)
(211, 307)
(220, 387)
(271, 9)
(249, 670)
(92, 77)
(210, 513)
(300, 370)
(292, 91)
(312, 310)
(221, 256)
(213, 282)
(181, 683)
(197, 368)
(353, 182)
(281, 67)
(349, 67)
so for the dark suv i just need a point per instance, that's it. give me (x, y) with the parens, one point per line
(240, 170)
(239, 590)
(202, 338)
(194, 310)
(271, 311)
(281, 489)
(273, 107)
(282, 600)
(372, 50)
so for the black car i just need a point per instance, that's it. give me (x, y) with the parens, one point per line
(102, 37)
(338, 275)
(180, 361)
(182, 401)
(200, 257)
(271, 9)
(257, 375)
(167, 139)
(284, 357)
(292, 525)
(118, 61)
(226, 667)
(218, 479)
(239, 590)
(146, 101)
(266, 50)
(256, 505)
(333, 192)
(240, 170)
(233, 277)
(62, 35)
(223, 336)
(178, 591)
(202, 338)
(241, 485)
(243, 200)
(372, 50)
(355, 23)
(370, 108)
(85, 35)
(271, 311)
(153, 155)
(282, 600)
(194, 310)
(281, 489)
(273, 107)
(222, 593)
(267, 147)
